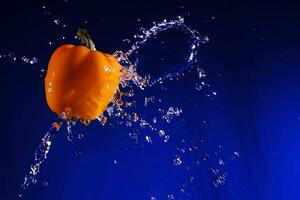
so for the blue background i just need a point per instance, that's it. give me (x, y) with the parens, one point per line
(252, 62)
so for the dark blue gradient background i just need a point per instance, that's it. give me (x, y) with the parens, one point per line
(255, 48)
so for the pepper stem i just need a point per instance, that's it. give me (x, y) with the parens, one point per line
(85, 38)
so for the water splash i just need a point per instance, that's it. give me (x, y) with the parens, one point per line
(145, 35)
(40, 156)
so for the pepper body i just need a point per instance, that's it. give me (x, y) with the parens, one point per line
(81, 82)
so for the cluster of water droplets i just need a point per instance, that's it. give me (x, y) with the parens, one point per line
(40, 156)
(19, 58)
(202, 85)
(16, 57)
(171, 113)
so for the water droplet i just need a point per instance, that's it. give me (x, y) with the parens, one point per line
(69, 130)
(154, 120)
(235, 155)
(56, 21)
(148, 100)
(135, 117)
(70, 138)
(161, 133)
(45, 183)
(148, 139)
(215, 171)
(221, 162)
(143, 123)
(133, 135)
(191, 178)
(171, 113)
(110, 110)
(177, 161)
(201, 73)
(128, 123)
(78, 153)
(220, 180)
(80, 136)
(170, 196)
(126, 40)
(166, 139)
(33, 61)
(102, 119)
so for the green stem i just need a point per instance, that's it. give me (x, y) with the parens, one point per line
(85, 38)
